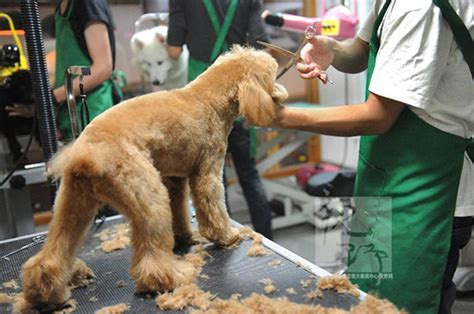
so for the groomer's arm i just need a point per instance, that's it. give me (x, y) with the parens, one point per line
(176, 28)
(376, 116)
(98, 45)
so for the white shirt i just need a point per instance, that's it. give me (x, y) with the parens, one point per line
(426, 70)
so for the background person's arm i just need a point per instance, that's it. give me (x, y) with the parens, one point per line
(98, 45)
(174, 51)
(176, 28)
(255, 26)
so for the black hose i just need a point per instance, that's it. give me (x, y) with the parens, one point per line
(39, 75)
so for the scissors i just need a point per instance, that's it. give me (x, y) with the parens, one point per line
(309, 33)
(34, 241)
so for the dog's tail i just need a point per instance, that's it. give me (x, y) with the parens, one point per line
(76, 162)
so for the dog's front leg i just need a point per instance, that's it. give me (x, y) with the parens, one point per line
(207, 191)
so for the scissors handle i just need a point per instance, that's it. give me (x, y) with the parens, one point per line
(310, 31)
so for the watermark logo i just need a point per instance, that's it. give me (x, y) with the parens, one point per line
(364, 227)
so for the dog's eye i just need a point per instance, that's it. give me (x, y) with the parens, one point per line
(160, 62)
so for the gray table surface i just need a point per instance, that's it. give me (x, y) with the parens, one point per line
(229, 270)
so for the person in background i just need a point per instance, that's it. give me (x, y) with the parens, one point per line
(84, 37)
(208, 28)
(416, 149)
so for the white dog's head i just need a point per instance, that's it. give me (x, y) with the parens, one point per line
(149, 49)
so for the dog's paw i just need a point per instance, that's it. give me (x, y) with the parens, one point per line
(82, 275)
(226, 237)
(185, 241)
(44, 281)
(162, 274)
(231, 237)
(189, 240)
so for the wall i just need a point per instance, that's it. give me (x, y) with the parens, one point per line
(347, 89)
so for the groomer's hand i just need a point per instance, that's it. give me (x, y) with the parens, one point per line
(318, 55)
(21, 110)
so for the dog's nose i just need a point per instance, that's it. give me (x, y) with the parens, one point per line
(156, 82)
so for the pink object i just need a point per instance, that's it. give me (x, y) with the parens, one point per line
(307, 171)
(347, 21)
(298, 23)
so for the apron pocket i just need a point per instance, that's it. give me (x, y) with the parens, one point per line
(370, 179)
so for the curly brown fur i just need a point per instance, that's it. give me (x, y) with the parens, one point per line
(142, 157)
(114, 309)
(373, 305)
(340, 283)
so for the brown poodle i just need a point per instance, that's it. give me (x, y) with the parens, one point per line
(143, 157)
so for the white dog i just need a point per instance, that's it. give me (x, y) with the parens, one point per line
(150, 55)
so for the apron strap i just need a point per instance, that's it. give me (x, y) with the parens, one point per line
(375, 44)
(374, 38)
(460, 31)
(70, 5)
(221, 32)
(465, 42)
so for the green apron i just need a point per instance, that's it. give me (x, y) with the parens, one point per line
(406, 188)
(69, 53)
(196, 67)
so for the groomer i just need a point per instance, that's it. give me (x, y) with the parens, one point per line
(415, 159)
(209, 28)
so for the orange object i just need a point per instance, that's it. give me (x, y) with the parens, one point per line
(19, 32)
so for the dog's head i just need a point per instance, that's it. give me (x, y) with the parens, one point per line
(258, 94)
(149, 50)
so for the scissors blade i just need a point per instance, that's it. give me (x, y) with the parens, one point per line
(294, 59)
(276, 48)
(283, 71)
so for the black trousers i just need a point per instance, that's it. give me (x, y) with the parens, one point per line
(249, 179)
(462, 230)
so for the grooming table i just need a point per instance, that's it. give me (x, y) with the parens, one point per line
(229, 270)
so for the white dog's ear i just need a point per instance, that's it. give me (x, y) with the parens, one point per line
(257, 103)
(160, 37)
(138, 43)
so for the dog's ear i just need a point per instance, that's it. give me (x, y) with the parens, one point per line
(258, 101)
(160, 37)
(137, 43)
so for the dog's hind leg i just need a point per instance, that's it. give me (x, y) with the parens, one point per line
(207, 192)
(178, 190)
(138, 192)
(46, 275)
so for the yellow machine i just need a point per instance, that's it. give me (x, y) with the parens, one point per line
(6, 71)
